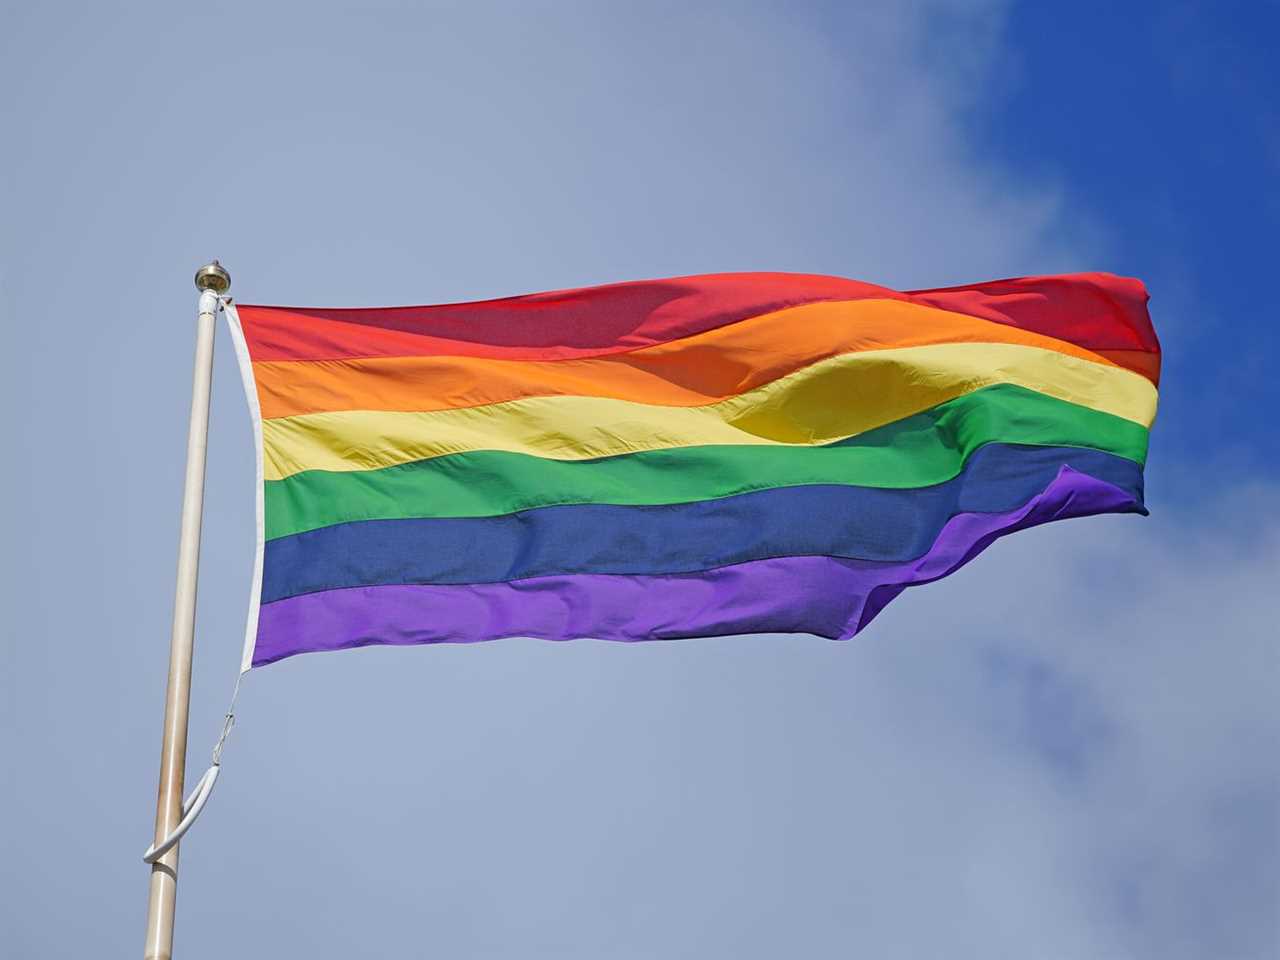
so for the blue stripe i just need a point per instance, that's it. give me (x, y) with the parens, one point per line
(861, 523)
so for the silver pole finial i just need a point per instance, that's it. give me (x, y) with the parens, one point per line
(213, 276)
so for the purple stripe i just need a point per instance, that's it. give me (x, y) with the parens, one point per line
(820, 595)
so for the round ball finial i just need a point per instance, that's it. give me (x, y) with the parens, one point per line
(213, 276)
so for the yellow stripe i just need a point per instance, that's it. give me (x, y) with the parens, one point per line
(829, 400)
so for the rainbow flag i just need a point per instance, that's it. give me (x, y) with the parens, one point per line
(722, 454)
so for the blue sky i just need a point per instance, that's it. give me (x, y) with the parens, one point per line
(1162, 118)
(1067, 750)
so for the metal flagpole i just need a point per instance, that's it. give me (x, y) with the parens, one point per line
(211, 280)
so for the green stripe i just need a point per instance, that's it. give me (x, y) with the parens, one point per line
(922, 450)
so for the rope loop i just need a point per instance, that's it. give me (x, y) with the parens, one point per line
(191, 808)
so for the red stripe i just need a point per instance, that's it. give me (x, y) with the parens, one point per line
(1097, 311)
(625, 316)
(542, 326)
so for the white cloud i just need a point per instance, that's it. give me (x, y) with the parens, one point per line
(1132, 664)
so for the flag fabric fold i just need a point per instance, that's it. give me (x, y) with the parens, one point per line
(699, 456)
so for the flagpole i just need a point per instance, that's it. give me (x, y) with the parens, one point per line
(211, 279)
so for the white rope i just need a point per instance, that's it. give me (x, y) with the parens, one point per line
(191, 808)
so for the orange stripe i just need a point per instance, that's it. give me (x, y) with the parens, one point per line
(696, 370)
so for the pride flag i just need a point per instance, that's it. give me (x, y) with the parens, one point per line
(722, 454)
